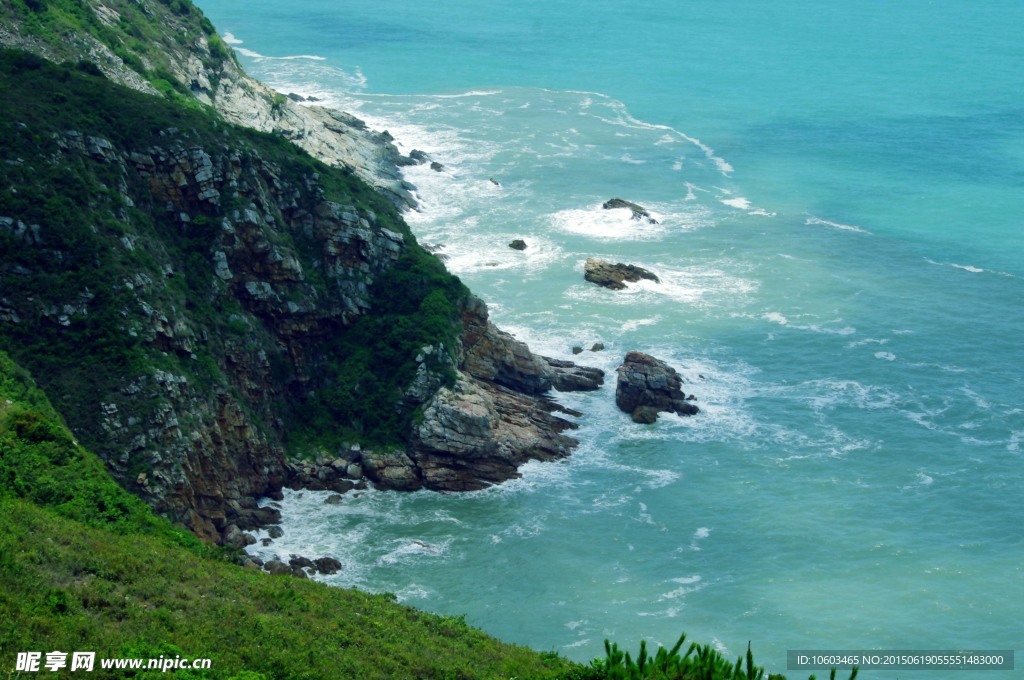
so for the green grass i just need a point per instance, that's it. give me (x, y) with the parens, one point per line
(86, 566)
(66, 586)
(143, 36)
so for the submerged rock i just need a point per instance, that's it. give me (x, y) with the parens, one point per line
(613, 275)
(639, 212)
(517, 244)
(647, 386)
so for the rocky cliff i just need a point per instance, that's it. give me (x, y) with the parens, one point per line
(204, 302)
(169, 48)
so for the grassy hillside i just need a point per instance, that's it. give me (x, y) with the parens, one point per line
(86, 566)
(148, 38)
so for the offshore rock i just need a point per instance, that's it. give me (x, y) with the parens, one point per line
(639, 212)
(613, 275)
(647, 386)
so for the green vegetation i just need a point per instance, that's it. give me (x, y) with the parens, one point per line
(700, 662)
(86, 566)
(143, 36)
(80, 203)
(374, 362)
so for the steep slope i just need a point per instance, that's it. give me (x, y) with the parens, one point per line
(86, 566)
(168, 47)
(202, 300)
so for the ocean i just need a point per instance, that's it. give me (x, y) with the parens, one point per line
(839, 189)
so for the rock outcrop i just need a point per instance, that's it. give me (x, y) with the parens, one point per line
(613, 276)
(647, 386)
(493, 419)
(193, 305)
(639, 212)
(183, 45)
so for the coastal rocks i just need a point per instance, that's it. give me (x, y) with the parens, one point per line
(569, 377)
(491, 354)
(613, 275)
(475, 434)
(517, 244)
(327, 565)
(647, 386)
(297, 566)
(639, 212)
(494, 418)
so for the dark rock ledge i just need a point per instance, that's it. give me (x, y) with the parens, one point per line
(639, 212)
(613, 276)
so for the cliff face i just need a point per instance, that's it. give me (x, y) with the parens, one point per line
(202, 302)
(170, 48)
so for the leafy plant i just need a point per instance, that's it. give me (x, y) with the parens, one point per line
(700, 662)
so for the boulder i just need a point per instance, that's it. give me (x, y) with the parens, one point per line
(300, 562)
(597, 347)
(327, 565)
(646, 386)
(517, 244)
(277, 568)
(639, 212)
(233, 537)
(275, 532)
(436, 167)
(613, 275)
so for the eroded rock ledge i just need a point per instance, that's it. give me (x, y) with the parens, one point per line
(494, 418)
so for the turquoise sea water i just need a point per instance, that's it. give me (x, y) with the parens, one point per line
(839, 192)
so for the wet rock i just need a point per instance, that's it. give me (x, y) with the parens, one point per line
(613, 276)
(639, 212)
(517, 244)
(569, 377)
(597, 347)
(645, 384)
(327, 565)
(333, 499)
(436, 167)
(275, 532)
